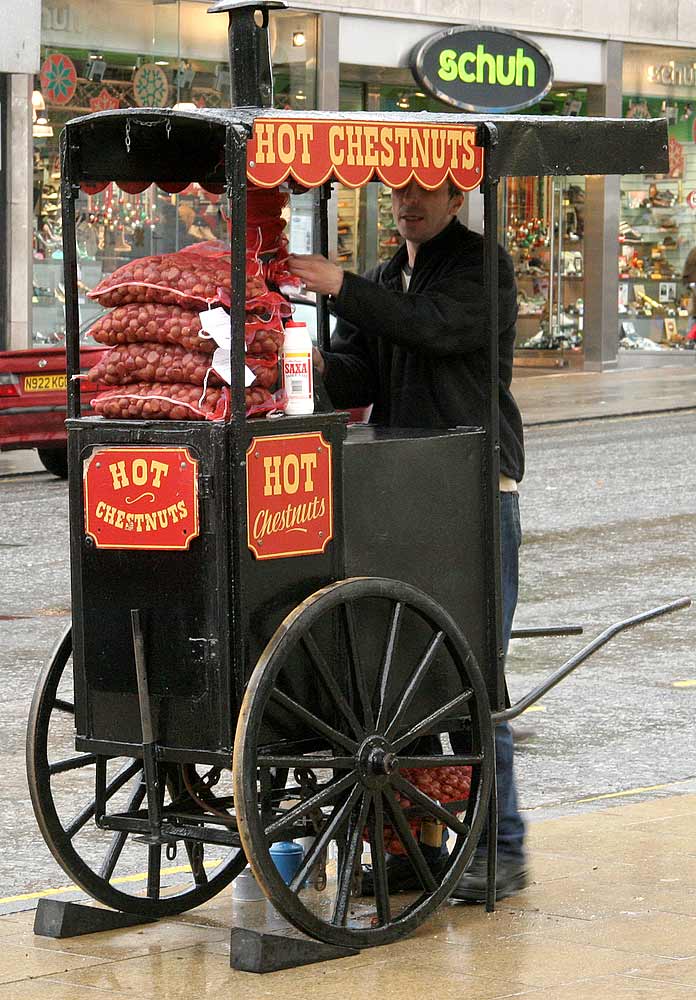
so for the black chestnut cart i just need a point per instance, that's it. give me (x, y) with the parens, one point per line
(209, 701)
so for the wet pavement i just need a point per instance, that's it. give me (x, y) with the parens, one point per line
(610, 912)
(609, 515)
(607, 780)
(549, 397)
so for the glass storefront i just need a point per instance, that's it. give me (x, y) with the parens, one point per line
(366, 230)
(182, 60)
(541, 221)
(657, 230)
(175, 54)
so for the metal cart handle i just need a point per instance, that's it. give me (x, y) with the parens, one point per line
(582, 655)
(548, 630)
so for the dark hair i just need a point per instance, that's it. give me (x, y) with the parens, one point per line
(453, 189)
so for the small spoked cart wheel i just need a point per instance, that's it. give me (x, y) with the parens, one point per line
(113, 867)
(353, 696)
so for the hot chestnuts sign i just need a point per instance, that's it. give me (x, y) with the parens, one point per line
(482, 69)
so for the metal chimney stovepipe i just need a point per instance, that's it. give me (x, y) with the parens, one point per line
(251, 76)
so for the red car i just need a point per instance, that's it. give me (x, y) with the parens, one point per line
(33, 401)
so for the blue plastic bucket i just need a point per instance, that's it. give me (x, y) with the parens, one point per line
(287, 857)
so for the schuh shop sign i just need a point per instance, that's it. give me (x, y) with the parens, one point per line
(482, 69)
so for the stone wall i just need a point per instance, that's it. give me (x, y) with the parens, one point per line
(658, 21)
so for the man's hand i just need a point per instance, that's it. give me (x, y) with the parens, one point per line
(316, 272)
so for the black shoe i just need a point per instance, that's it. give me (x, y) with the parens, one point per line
(471, 887)
(401, 875)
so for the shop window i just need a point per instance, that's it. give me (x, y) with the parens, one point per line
(366, 232)
(657, 232)
(544, 222)
(185, 64)
(542, 227)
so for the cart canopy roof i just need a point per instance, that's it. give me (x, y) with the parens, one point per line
(170, 147)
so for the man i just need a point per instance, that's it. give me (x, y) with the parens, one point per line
(411, 340)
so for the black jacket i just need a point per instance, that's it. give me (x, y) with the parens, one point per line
(420, 357)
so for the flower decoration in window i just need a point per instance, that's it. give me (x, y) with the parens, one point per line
(58, 78)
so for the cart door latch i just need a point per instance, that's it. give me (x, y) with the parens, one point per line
(205, 487)
(201, 650)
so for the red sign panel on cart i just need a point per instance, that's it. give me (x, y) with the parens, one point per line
(289, 495)
(351, 151)
(141, 498)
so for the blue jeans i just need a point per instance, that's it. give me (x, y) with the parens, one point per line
(510, 823)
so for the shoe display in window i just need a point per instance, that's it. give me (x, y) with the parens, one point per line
(628, 235)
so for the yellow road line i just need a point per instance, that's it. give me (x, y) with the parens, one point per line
(626, 793)
(178, 870)
(38, 895)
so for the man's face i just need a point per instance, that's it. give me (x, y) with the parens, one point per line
(421, 214)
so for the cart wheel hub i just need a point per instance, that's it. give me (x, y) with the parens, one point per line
(376, 761)
(382, 762)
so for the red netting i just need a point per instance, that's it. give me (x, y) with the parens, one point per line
(265, 370)
(444, 784)
(159, 357)
(178, 401)
(151, 322)
(159, 401)
(187, 278)
(143, 362)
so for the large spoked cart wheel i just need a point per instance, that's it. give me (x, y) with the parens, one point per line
(361, 678)
(118, 868)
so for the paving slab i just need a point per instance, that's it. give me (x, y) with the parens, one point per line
(558, 397)
(596, 920)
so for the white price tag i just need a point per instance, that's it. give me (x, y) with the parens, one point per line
(222, 364)
(217, 324)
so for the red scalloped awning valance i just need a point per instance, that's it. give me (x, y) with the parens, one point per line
(137, 187)
(314, 150)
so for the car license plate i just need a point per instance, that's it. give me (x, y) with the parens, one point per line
(45, 383)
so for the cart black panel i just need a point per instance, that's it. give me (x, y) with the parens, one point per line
(414, 511)
(181, 596)
(205, 621)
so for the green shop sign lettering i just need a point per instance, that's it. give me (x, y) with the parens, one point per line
(482, 69)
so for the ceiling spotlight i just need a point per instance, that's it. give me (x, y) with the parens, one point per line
(403, 102)
(300, 96)
(42, 129)
(298, 39)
